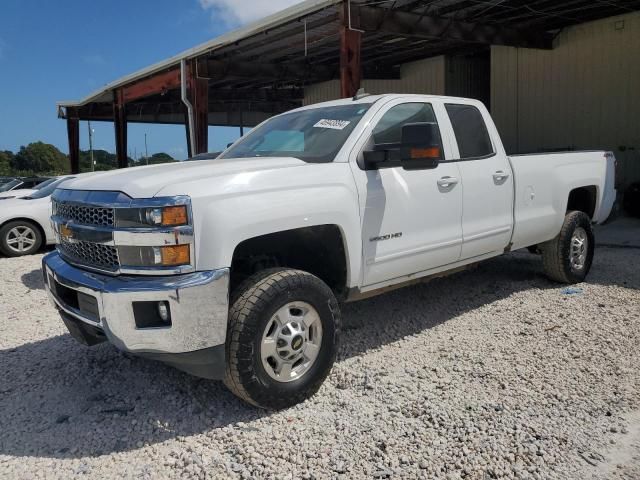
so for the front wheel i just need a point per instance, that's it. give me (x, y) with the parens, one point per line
(282, 338)
(568, 257)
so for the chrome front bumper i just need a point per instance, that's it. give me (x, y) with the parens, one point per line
(198, 304)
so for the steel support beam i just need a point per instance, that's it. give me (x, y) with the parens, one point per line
(350, 65)
(413, 25)
(73, 134)
(159, 83)
(199, 93)
(120, 125)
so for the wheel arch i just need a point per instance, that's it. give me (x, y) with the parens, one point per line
(320, 249)
(583, 199)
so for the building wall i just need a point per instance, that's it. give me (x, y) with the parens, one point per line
(469, 76)
(583, 94)
(425, 76)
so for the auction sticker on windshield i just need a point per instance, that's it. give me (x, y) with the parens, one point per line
(333, 124)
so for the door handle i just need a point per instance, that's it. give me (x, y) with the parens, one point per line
(446, 182)
(500, 176)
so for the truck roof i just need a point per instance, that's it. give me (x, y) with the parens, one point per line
(368, 99)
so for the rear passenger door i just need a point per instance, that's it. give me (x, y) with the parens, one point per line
(487, 182)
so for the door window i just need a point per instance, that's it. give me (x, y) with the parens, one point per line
(389, 128)
(470, 130)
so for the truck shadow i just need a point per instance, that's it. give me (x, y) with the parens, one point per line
(61, 400)
(33, 280)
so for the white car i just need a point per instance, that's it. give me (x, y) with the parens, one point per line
(25, 224)
(19, 193)
(234, 268)
(21, 187)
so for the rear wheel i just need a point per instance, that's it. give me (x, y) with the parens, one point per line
(568, 257)
(282, 338)
(19, 238)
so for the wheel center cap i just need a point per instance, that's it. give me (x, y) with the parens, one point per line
(297, 342)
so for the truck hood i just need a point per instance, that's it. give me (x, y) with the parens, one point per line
(146, 182)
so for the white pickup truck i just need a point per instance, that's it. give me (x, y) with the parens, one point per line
(235, 268)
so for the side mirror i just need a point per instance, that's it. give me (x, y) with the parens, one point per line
(420, 149)
(421, 146)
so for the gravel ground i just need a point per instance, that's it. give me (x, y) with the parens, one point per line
(489, 373)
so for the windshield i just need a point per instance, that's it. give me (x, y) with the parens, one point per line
(48, 190)
(5, 187)
(314, 135)
(46, 183)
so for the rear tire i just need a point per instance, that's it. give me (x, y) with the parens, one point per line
(568, 257)
(282, 338)
(19, 238)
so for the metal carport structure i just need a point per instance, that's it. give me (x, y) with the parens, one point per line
(248, 75)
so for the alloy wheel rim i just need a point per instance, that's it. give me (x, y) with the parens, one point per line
(579, 249)
(21, 239)
(291, 342)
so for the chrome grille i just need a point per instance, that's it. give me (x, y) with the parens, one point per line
(97, 216)
(95, 255)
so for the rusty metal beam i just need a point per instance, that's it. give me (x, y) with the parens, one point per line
(156, 84)
(406, 24)
(350, 65)
(120, 125)
(73, 135)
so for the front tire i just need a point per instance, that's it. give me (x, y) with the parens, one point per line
(282, 338)
(568, 257)
(19, 238)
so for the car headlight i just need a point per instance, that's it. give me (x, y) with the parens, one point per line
(165, 256)
(174, 216)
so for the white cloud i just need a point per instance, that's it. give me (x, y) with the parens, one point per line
(244, 11)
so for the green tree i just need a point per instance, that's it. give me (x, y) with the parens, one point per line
(161, 158)
(154, 159)
(103, 159)
(6, 158)
(40, 158)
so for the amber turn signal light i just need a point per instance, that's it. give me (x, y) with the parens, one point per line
(433, 152)
(172, 216)
(175, 255)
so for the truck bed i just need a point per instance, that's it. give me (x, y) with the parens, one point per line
(539, 208)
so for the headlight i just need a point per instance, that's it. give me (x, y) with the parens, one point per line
(174, 216)
(175, 255)
(167, 216)
(166, 256)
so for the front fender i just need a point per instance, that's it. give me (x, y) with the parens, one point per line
(223, 222)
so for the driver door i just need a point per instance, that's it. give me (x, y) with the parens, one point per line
(411, 219)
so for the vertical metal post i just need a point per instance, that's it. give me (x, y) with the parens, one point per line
(199, 90)
(350, 45)
(93, 164)
(120, 125)
(73, 134)
(146, 150)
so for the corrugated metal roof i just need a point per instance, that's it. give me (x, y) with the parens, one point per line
(302, 44)
(300, 10)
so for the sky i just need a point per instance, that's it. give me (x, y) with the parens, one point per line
(64, 50)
